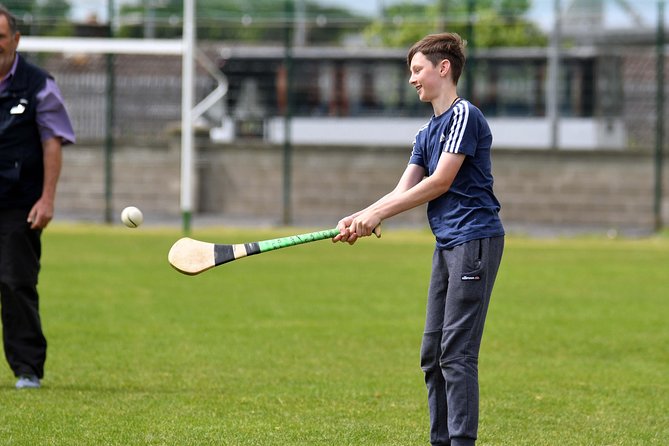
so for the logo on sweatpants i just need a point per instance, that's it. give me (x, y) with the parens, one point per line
(469, 278)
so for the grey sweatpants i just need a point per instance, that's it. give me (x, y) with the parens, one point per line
(460, 288)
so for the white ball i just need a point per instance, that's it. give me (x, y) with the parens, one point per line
(132, 217)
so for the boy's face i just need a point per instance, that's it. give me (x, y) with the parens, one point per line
(428, 79)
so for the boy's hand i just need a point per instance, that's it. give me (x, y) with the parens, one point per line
(345, 234)
(364, 224)
(351, 229)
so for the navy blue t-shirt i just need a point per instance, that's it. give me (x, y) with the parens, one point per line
(469, 209)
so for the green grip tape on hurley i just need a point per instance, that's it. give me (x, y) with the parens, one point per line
(284, 242)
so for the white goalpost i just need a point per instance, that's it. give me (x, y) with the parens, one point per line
(97, 45)
(187, 93)
(185, 48)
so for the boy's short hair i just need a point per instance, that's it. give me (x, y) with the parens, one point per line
(437, 47)
(11, 20)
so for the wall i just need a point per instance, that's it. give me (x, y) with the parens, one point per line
(243, 183)
(145, 177)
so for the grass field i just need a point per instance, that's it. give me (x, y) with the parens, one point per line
(318, 344)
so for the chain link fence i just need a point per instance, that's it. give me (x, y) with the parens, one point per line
(611, 85)
(144, 98)
(353, 90)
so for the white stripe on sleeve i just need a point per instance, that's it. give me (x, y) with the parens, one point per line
(458, 126)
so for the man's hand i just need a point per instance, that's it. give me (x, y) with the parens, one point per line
(41, 214)
(42, 211)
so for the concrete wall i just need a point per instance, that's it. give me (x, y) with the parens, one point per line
(145, 177)
(587, 189)
(243, 182)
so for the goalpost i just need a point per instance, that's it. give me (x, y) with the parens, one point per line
(185, 48)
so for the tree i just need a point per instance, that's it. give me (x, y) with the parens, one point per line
(52, 16)
(495, 23)
(23, 10)
(238, 20)
(46, 17)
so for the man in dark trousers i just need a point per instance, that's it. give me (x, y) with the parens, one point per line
(34, 125)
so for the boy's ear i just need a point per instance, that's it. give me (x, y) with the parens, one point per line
(444, 67)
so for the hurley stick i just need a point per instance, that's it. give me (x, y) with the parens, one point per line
(189, 256)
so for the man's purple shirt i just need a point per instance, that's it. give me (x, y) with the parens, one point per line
(52, 118)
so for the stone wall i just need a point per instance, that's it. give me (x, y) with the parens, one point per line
(243, 183)
(141, 176)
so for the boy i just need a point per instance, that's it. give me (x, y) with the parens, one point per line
(449, 169)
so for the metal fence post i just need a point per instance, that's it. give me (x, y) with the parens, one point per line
(659, 125)
(553, 81)
(109, 121)
(471, 50)
(287, 137)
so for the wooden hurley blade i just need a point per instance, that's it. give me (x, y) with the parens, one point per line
(191, 257)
